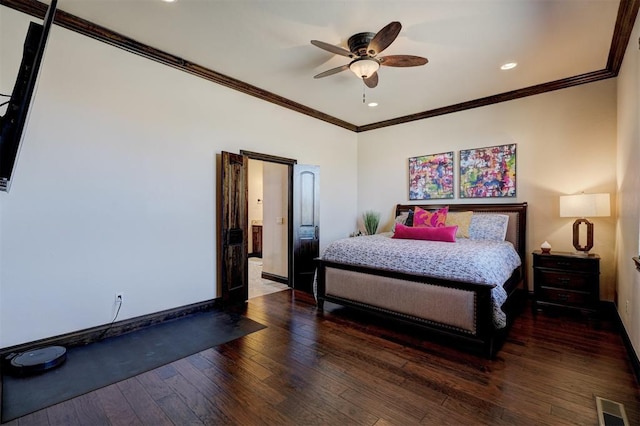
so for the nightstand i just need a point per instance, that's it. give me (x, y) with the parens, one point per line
(567, 281)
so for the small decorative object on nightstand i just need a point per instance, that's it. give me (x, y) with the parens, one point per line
(545, 247)
(566, 280)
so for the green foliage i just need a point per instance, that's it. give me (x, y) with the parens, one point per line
(371, 220)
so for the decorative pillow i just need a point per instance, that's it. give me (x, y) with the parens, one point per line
(443, 233)
(401, 218)
(488, 226)
(409, 221)
(462, 220)
(435, 219)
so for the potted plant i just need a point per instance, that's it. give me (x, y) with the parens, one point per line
(371, 220)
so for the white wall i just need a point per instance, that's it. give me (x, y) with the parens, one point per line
(275, 229)
(115, 187)
(565, 144)
(629, 189)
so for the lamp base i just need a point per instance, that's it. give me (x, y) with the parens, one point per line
(576, 236)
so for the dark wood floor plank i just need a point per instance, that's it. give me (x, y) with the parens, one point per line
(217, 394)
(178, 411)
(305, 389)
(116, 407)
(265, 399)
(154, 385)
(196, 400)
(141, 402)
(90, 411)
(237, 375)
(379, 406)
(227, 355)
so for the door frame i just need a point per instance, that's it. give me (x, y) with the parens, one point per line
(289, 162)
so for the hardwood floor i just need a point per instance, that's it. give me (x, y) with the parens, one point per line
(345, 368)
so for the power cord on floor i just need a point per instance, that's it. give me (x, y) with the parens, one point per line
(119, 302)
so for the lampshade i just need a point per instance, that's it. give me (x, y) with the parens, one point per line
(585, 205)
(364, 68)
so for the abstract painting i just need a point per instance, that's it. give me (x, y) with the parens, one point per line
(488, 172)
(431, 176)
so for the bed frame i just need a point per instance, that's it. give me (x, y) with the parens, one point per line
(344, 284)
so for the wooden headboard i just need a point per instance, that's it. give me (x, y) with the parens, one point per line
(516, 230)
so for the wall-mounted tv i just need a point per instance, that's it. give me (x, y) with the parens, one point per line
(13, 122)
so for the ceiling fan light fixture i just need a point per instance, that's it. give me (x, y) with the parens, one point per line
(364, 68)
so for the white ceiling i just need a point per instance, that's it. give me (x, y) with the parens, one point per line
(267, 44)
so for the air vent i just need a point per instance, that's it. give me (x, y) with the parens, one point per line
(611, 413)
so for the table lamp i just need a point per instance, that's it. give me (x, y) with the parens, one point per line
(583, 206)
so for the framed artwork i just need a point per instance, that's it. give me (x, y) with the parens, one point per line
(488, 172)
(431, 176)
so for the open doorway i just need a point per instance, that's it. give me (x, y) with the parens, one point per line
(302, 224)
(268, 242)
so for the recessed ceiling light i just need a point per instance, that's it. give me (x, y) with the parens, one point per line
(509, 66)
(168, 1)
(372, 104)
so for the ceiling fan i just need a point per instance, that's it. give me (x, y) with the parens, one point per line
(364, 49)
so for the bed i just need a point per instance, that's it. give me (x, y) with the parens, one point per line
(454, 291)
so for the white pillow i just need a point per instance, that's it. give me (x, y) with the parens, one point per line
(488, 226)
(401, 218)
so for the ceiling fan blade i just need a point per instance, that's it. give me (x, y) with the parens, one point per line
(384, 38)
(372, 81)
(331, 48)
(402, 61)
(332, 71)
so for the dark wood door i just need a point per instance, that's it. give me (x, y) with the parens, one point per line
(306, 225)
(233, 240)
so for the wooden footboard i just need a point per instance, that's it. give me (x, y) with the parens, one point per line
(466, 316)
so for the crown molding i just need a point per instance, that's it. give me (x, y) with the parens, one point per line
(627, 12)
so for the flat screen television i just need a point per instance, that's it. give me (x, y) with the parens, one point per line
(13, 122)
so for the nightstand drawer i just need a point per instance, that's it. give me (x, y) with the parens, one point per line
(564, 297)
(564, 280)
(572, 264)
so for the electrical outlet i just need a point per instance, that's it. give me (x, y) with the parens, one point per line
(119, 297)
(626, 307)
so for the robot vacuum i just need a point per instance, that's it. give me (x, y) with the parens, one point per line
(36, 360)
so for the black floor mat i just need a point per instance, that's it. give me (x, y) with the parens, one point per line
(117, 358)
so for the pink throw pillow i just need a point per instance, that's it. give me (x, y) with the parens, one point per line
(444, 233)
(434, 219)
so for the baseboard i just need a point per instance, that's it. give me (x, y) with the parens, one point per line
(274, 277)
(90, 335)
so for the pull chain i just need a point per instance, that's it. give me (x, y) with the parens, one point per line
(364, 87)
